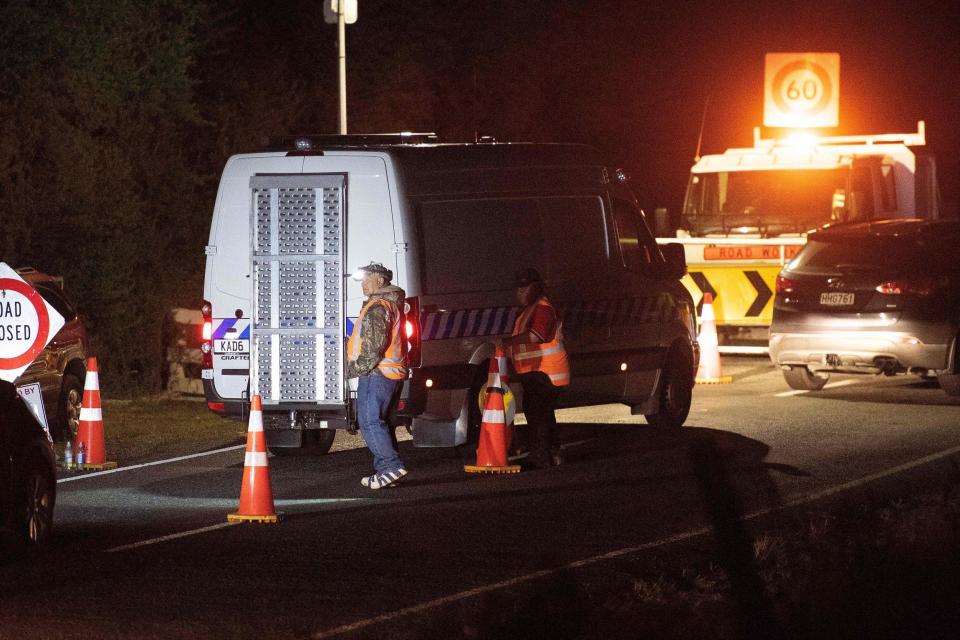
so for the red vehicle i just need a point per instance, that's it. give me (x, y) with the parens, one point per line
(61, 368)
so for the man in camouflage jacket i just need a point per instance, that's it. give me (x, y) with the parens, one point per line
(376, 354)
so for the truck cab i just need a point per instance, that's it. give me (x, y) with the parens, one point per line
(747, 211)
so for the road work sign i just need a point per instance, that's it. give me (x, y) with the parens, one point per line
(27, 324)
(742, 296)
(801, 90)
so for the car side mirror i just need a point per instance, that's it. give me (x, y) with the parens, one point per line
(676, 260)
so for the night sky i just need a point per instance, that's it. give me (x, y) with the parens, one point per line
(632, 77)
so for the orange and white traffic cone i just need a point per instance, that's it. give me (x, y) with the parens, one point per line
(90, 428)
(494, 432)
(256, 496)
(709, 371)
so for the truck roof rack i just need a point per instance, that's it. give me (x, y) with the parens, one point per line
(919, 138)
(309, 142)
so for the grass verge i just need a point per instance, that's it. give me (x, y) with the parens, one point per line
(154, 428)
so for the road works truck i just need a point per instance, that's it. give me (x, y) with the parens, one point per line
(454, 222)
(748, 210)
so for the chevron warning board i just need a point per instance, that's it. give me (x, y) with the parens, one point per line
(741, 295)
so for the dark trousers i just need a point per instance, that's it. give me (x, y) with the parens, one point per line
(539, 401)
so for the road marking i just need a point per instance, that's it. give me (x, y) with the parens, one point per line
(150, 464)
(297, 502)
(803, 499)
(829, 385)
(172, 536)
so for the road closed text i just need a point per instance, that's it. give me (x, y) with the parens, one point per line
(13, 326)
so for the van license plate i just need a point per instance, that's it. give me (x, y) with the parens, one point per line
(231, 346)
(835, 299)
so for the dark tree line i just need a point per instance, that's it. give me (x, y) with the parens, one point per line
(116, 116)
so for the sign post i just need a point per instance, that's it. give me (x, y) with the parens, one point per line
(27, 324)
(801, 90)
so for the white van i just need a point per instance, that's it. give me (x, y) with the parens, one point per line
(454, 222)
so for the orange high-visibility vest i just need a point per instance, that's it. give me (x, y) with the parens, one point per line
(392, 365)
(549, 357)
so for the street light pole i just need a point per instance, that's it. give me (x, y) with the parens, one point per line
(342, 56)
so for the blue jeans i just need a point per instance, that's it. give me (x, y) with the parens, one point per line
(373, 401)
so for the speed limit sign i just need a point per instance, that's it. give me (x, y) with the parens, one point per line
(801, 90)
(27, 324)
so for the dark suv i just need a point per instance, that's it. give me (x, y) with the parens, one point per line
(28, 481)
(878, 297)
(60, 368)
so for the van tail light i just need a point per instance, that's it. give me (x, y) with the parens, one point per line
(921, 287)
(206, 342)
(785, 285)
(411, 329)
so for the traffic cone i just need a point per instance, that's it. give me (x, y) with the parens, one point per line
(494, 432)
(256, 496)
(90, 429)
(500, 378)
(709, 371)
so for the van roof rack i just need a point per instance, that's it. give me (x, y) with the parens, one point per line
(312, 141)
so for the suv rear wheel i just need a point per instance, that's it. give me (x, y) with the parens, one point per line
(68, 409)
(802, 379)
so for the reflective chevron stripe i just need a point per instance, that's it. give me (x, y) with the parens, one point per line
(496, 321)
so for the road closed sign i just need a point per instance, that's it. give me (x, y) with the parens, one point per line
(27, 324)
(801, 90)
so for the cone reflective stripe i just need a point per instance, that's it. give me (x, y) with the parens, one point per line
(494, 432)
(709, 371)
(256, 496)
(90, 427)
(501, 356)
(500, 378)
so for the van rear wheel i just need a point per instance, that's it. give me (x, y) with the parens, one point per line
(314, 442)
(802, 379)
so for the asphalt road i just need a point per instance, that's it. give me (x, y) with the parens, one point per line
(147, 552)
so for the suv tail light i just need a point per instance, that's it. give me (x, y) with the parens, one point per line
(914, 286)
(785, 285)
(411, 329)
(206, 341)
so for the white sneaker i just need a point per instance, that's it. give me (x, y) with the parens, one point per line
(381, 480)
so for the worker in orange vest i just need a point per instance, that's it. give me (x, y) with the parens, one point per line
(536, 348)
(376, 354)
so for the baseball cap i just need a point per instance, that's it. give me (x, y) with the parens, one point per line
(526, 276)
(375, 268)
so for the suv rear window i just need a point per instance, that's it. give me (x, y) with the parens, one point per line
(891, 254)
(57, 300)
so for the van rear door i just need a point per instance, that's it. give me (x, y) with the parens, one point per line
(297, 245)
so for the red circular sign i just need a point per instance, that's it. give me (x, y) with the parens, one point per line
(43, 327)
